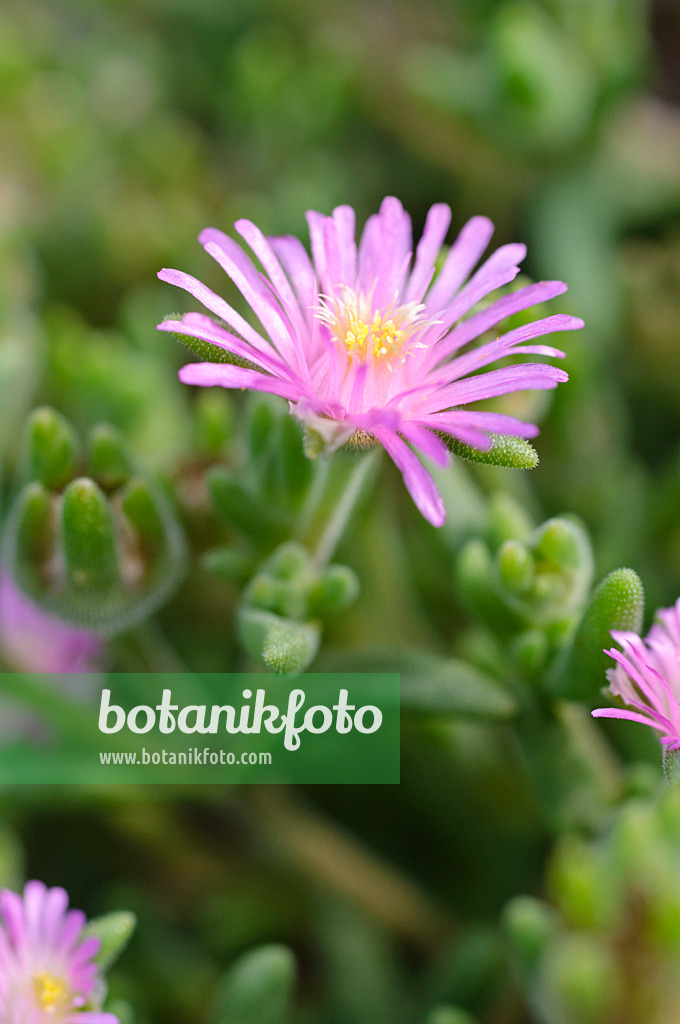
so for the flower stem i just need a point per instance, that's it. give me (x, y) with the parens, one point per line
(330, 538)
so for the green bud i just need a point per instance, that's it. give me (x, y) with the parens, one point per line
(107, 460)
(337, 589)
(291, 646)
(87, 535)
(213, 423)
(529, 924)
(515, 567)
(284, 645)
(263, 592)
(617, 603)
(258, 989)
(284, 597)
(564, 544)
(114, 932)
(51, 448)
(512, 452)
(290, 561)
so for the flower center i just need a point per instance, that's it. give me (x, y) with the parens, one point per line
(364, 333)
(52, 994)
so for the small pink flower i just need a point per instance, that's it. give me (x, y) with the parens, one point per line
(46, 971)
(33, 641)
(359, 338)
(647, 677)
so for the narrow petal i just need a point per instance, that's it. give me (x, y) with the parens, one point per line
(506, 344)
(340, 245)
(223, 375)
(427, 442)
(460, 261)
(299, 269)
(431, 241)
(216, 305)
(195, 325)
(509, 379)
(262, 248)
(494, 422)
(419, 483)
(509, 305)
(631, 716)
(269, 312)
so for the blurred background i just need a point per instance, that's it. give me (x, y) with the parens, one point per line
(480, 885)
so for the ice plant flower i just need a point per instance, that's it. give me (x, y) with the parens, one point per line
(33, 641)
(361, 340)
(647, 677)
(47, 974)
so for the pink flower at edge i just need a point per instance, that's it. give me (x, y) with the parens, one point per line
(47, 974)
(360, 338)
(647, 677)
(33, 641)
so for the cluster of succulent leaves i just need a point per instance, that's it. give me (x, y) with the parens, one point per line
(192, 530)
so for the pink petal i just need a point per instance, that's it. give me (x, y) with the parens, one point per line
(431, 241)
(223, 375)
(460, 260)
(419, 483)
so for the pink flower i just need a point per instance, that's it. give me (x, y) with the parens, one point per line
(33, 641)
(46, 971)
(647, 677)
(360, 339)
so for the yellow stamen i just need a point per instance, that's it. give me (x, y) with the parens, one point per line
(51, 993)
(363, 331)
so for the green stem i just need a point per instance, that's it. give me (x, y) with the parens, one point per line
(330, 538)
(314, 496)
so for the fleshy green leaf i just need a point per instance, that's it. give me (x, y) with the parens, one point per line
(284, 645)
(258, 989)
(114, 932)
(51, 448)
(210, 353)
(108, 462)
(432, 685)
(512, 452)
(242, 509)
(617, 603)
(88, 538)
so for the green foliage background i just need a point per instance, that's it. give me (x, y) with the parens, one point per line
(527, 867)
